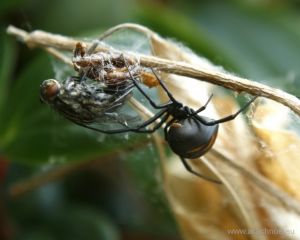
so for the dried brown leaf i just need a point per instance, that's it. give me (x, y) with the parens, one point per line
(202, 209)
(279, 161)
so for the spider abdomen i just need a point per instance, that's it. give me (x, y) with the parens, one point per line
(189, 138)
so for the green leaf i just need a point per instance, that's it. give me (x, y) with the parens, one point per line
(259, 43)
(186, 31)
(6, 5)
(264, 49)
(83, 223)
(7, 64)
(33, 133)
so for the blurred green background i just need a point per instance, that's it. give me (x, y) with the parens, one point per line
(112, 189)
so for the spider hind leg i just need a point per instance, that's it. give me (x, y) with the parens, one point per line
(189, 169)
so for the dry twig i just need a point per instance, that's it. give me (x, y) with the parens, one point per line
(45, 40)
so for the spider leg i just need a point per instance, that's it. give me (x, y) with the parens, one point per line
(227, 118)
(157, 126)
(189, 169)
(127, 87)
(164, 87)
(113, 131)
(129, 129)
(136, 84)
(125, 90)
(141, 128)
(119, 101)
(204, 106)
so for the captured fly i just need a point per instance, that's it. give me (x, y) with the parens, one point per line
(87, 102)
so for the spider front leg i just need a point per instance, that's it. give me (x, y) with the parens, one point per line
(136, 84)
(113, 131)
(138, 129)
(157, 126)
(204, 106)
(227, 118)
(164, 87)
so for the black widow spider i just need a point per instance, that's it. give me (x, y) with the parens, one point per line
(188, 134)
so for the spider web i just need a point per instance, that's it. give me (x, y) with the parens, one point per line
(129, 41)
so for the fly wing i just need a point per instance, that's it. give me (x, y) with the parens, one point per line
(117, 120)
(101, 113)
(89, 104)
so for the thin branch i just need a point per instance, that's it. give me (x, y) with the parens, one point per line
(59, 56)
(43, 39)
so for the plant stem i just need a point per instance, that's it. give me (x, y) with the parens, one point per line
(43, 39)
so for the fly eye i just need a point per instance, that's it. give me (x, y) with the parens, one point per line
(49, 90)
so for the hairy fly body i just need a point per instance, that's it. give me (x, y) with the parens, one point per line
(85, 102)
